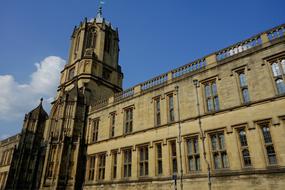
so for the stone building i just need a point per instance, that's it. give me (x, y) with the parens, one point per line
(217, 122)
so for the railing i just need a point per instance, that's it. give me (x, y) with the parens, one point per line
(124, 94)
(100, 103)
(154, 82)
(239, 47)
(235, 49)
(276, 32)
(201, 63)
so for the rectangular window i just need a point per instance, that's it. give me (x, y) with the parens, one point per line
(51, 162)
(212, 99)
(143, 161)
(114, 164)
(128, 127)
(127, 163)
(173, 156)
(157, 112)
(219, 152)
(71, 73)
(112, 124)
(244, 147)
(170, 108)
(101, 166)
(243, 86)
(278, 70)
(91, 172)
(193, 154)
(268, 144)
(159, 159)
(94, 130)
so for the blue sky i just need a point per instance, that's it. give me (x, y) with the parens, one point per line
(155, 36)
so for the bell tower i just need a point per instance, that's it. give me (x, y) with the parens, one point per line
(92, 73)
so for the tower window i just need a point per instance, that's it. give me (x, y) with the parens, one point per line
(71, 73)
(91, 38)
(106, 74)
(108, 40)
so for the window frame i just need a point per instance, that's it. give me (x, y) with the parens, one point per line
(101, 168)
(268, 144)
(278, 61)
(172, 157)
(91, 167)
(196, 155)
(112, 124)
(212, 96)
(114, 166)
(170, 108)
(128, 120)
(158, 159)
(157, 111)
(127, 163)
(94, 133)
(220, 151)
(243, 147)
(143, 161)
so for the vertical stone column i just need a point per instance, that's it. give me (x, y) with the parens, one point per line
(134, 163)
(151, 160)
(108, 166)
(165, 159)
(264, 38)
(120, 164)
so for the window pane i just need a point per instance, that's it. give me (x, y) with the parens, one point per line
(266, 134)
(214, 89)
(271, 154)
(217, 161)
(283, 65)
(209, 105)
(225, 160)
(275, 69)
(242, 137)
(246, 157)
(245, 95)
(222, 141)
(191, 164)
(242, 80)
(196, 148)
(190, 147)
(216, 101)
(214, 142)
(280, 86)
(207, 91)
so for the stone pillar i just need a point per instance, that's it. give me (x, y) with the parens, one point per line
(165, 159)
(134, 163)
(151, 161)
(264, 38)
(108, 167)
(211, 59)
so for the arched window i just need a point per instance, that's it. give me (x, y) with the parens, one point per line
(91, 38)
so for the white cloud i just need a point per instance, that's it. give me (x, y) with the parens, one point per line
(16, 99)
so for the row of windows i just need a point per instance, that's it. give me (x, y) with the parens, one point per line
(3, 179)
(218, 152)
(211, 101)
(6, 157)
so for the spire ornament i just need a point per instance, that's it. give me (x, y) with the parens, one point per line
(100, 9)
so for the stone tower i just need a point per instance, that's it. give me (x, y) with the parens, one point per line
(27, 162)
(92, 72)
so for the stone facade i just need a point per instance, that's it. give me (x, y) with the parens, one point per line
(216, 122)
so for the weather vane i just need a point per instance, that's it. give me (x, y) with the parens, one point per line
(99, 13)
